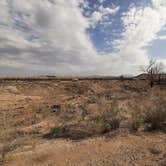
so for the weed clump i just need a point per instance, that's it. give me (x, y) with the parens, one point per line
(156, 116)
(151, 117)
(107, 121)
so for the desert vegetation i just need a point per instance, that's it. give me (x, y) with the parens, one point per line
(38, 115)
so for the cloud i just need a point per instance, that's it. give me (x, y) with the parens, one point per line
(60, 31)
(141, 26)
(96, 16)
(101, 1)
(49, 36)
(161, 38)
(101, 14)
(4, 12)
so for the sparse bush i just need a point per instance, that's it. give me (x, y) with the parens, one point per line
(136, 124)
(151, 116)
(156, 116)
(106, 119)
(136, 119)
(104, 125)
(100, 125)
(109, 119)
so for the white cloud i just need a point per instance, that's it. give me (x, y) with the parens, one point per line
(162, 38)
(60, 27)
(108, 10)
(4, 12)
(141, 28)
(101, 13)
(49, 36)
(101, 1)
(96, 16)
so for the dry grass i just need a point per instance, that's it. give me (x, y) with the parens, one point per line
(155, 115)
(44, 110)
(149, 114)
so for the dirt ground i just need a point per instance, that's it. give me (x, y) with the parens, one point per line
(65, 123)
(118, 151)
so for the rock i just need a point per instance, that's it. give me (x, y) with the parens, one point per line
(11, 89)
(55, 108)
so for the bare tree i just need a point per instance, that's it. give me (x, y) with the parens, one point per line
(154, 70)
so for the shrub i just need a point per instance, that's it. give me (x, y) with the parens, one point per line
(156, 116)
(151, 116)
(100, 125)
(136, 119)
(108, 120)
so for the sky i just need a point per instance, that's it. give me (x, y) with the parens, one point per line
(81, 37)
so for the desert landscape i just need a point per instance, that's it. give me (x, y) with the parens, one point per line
(82, 82)
(51, 121)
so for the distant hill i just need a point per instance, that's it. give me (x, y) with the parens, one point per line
(145, 76)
